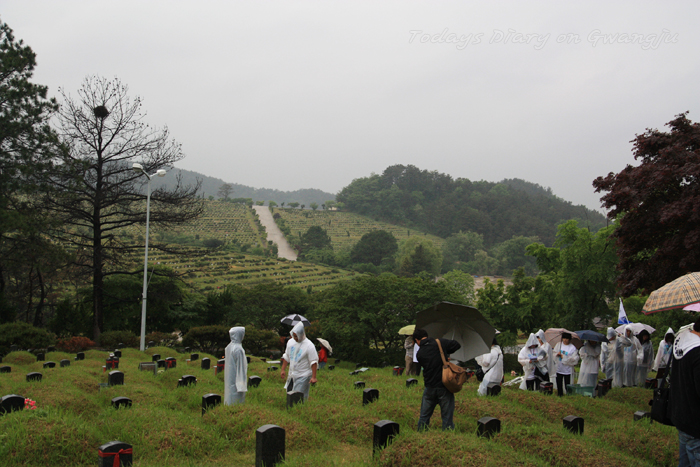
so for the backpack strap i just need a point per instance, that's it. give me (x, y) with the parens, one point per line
(444, 362)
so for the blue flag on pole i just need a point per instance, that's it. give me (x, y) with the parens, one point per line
(622, 316)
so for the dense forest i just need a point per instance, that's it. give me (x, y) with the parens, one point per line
(438, 204)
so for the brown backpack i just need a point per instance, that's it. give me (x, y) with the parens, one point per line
(453, 376)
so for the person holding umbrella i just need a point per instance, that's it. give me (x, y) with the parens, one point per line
(590, 354)
(302, 359)
(323, 352)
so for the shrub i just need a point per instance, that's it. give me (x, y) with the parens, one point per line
(162, 338)
(210, 339)
(23, 335)
(111, 339)
(257, 341)
(75, 344)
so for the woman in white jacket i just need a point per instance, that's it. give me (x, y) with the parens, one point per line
(546, 362)
(528, 357)
(588, 374)
(664, 353)
(566, 356)
(492, 364)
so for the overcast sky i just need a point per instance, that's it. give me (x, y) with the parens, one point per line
(291, 95)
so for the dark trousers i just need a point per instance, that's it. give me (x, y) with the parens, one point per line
(431, 398)
(566, 379)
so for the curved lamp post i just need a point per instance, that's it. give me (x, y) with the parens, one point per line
(160, 173)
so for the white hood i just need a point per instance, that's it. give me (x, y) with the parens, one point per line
(684, 343)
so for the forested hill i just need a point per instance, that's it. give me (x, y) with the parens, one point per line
(441, 205)
(211, 185)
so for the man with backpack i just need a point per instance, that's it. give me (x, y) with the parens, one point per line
(435, 393)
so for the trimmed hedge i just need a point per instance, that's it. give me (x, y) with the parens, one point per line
(23, 335)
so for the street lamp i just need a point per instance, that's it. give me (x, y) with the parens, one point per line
(160, 173)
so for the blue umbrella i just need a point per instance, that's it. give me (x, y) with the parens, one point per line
(591, 336)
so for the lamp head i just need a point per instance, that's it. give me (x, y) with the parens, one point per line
(161, 173)
(137, 167)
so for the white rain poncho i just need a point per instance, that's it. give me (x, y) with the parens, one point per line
(588, 373)
(548, 362)
(301, 356)
(606, 348)
(527, 358)
(629, 368)
(645, 359)
(235, 368)
(492, 364)
(617, 358)
(664, 352)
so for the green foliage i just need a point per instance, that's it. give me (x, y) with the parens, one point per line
(374, 247)
(71, 319)
(111, 339)
(210, 339)
(257, 341)
(315, 238)
(165, 339)
(461, 285)
(460, 249)
(23, 335)
(511, 255)
(74, 344)
(417, 254)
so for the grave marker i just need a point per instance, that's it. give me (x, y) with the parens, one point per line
(149, 366)
(80, 356)
(411, 382)
(186, 380)
(642, 415)
(331, 367)
(398, 371)
(370, 395)
(115, 454)
(112, 364)
(40, 357)
(194, 357)
(35, 376)
(209, 401)
(254, 381)
(119, 402)
(359, 384)
(161, 363)
(64, 363)
(493, 390)
(574, 424)
(294, 397)
(486, 427)
(206, 363)
(11, 403)
(269, 445)
(155, 357)
(384, 433)
(5, 369)
(49, 364)
(547, 388)
(115, 378)
(118, 353)
(170, 362)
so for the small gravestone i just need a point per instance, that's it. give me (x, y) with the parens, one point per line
(370, 395)
(187, 380)
(115, 454)
(337, 360)
(650, 383)
(269, 445)
(5, 369)
(155, 357)
(254, 381)
(547, 388)
(209, 401)
(149, 366)
(294, 397)
(49, 364)
(64, 363)
(493, 390)
(51, 348)
(120, 345)
(353, 373)
(118, 353)
(119, 402)
(411, 382)
(384, 433)
(272, 368)
(263, 359)
(151, 343)
(194, 357)
(11, 403)
(220, 364)
(170, 362)
(161, 363)
(115, 378)
(247, 359)
(331, 367)
(187, 349)
(34, 377)
(206, 363)
(112, 364)
(574, 424)
(486, 427)
(398, 371)
(359, 384)
(80, 356)
(40, 357)
(642, 415)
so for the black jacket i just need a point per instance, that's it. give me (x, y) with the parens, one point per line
(684, 400)
(429, 359)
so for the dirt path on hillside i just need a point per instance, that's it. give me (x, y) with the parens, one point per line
(275, 234)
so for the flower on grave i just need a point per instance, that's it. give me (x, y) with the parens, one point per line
(512, 373)
(29, 404)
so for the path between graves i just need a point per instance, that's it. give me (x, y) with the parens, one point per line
(274, 233)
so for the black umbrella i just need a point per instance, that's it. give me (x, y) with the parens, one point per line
(294, 319)
(591, 336)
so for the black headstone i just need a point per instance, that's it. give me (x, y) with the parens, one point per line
(187, 349)
(337, 360)
(5, 369)
(493, 390)
(411, 382)
(369, 395)
(65, 363)
(155, 357)
(574, 424)
(115, 378)
(170, 362)
(209, 401)
(49, 364)
(398, 371)
(269, 445)
(40, 357)
(80, 356)
(112, 364)
(642, 415)
(272, 368)
(34, 376)
(115, 453)
(353, 373)
(206, 363)
(151, 343)
(384, 433)
(294, 397)
(120, 345)
(189, 379)
(194, 357)
(486, 427)
(118, 353)
(331, 367)
(161, 363)
(10, 403)
(51, 348)
(254, 381)
(650, 383)
(119, 402)
(247, 359)
(359, 384)
(547, 388)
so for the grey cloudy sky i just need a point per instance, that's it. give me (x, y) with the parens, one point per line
(291, 95)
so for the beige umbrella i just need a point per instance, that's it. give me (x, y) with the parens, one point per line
(676, 294)
(407, 330)
(553, 336)
(325, 343)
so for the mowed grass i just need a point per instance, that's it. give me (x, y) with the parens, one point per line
(166, 426)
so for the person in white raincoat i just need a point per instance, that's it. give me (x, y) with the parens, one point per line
(548, 362)
(528, 357)
(664, 353)
(235, 368)
(590, 355)
(629, 371)
(645, 357)
(302, 359)
(617, 358)
(606, 348)
(566, 356)
(492, 364)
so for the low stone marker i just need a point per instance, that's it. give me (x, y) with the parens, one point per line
(149, 366)
(80, 356)
(547, 388)
(247, 359)
(359, 384)
(35, 376)
(384, 433)
(209, 401)
(64, 363)
(294, 397)
(112, 363)
(170, 363)
(493, 390)
(151, 343)
(187, 380)
(411, 382)
(120, 345)
(40, 357)
(254, 381)
(115, 454)
(398, 371)
(337, 360)
(161, 363)
(5, 369)
(206, 363)
(574, 424)
(331, 367)
(49, 364)
(194, 357)
(269, 445)
(370, 395)
(353, 373)
(642, 416)
(119, 402)
(155, 357)
(486, 427)
(115, 378)
(11, 403)
(118, 353)
(51, 348)
(220, 364)
(272, 368)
